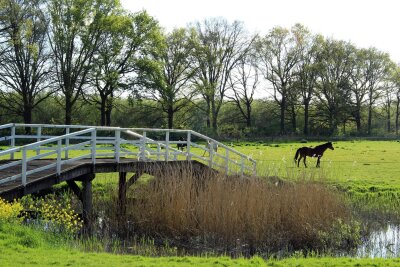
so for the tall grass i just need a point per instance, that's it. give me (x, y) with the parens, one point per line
(234, 213)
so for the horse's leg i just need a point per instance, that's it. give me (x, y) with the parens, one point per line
(298, 161)
(318, 161)
(304, 160)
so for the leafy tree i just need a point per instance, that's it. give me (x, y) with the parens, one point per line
(306, 75)
(395, 79)
(126, 41)
(335, 62)
(75, 34)
(25, 69)
(172, 91)
(377, 69)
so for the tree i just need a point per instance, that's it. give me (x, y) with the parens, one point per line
(279, 53)
(25, 69)
(126, 41)
(243, 83)
(172, 89)
(377, 68)
(75, 35)
(395, 78)
(218, 47)
(306, 75)
(335, 63)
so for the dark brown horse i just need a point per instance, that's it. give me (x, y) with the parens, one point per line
(316, 152)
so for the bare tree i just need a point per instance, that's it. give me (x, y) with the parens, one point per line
(279, 52)
(218, 47)
(243, 83)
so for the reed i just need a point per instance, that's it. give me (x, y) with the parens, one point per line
(225, 212)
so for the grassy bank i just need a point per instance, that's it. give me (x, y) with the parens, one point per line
(23, 246)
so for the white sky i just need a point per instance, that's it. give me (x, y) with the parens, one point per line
(366, 23)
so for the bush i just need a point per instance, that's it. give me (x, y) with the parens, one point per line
(10, 211)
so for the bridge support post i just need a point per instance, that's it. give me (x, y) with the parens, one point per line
(122, 195)
(87, 202)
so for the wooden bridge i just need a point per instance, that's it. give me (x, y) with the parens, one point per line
(38, 156)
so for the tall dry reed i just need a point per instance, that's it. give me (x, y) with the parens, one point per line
(234, 210)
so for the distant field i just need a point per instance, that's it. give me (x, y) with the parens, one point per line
(363, 163)
(367, 171)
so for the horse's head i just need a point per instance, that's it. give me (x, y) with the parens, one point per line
(330, 146)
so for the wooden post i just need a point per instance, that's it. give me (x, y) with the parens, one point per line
(122, 194)
(87, 203)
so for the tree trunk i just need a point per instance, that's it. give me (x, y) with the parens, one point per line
(282, 116)
(170, 117)
(306, 117)
(27, 118)
(103, 111)
(294, 121)
(397, 115)
(369, 119)
(68, 110)
(214, 116)
(248, 117)
(388, 119)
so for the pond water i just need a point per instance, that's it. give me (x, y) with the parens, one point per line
(381, 243)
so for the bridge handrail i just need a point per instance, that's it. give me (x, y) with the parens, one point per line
(144, 145)
(25, 159)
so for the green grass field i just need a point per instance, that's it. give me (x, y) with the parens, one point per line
(367, 171)
(23, 246)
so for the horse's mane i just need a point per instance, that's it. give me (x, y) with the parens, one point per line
(323, 145)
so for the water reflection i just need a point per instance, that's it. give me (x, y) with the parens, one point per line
(381, 243)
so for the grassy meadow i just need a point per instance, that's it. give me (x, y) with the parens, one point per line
(367, 172)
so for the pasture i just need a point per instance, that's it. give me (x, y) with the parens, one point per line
(366, 171)
(355, 165)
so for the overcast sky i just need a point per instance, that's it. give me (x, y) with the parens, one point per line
(366, 23)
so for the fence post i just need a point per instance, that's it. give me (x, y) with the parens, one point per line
(66, 142)
(117, 145)
(23, 173)
(59, 152)
(12, 141)
(227, 162)
(38, 138)
(210, 152)
(241, 166)
(143, 147)
(93, 142)
(166, 145)
(188, 142)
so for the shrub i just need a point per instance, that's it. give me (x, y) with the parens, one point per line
(10, 211)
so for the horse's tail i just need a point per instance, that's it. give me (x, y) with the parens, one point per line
(297, 154)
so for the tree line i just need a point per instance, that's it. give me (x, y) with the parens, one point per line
(95, 62)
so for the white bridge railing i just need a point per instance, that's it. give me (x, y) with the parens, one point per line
(68, 143)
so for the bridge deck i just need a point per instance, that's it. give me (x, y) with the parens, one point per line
(73, 171)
